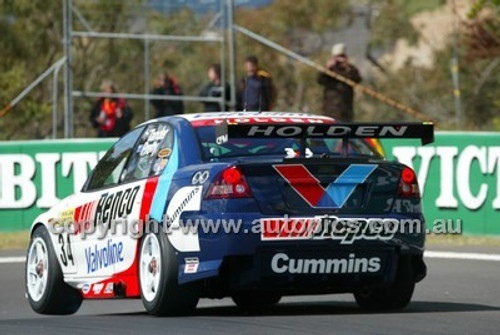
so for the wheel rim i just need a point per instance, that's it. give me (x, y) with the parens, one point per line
(150, 267)
(37, 269)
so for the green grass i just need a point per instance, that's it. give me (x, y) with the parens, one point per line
(414, 7)
(460, 240)
(14, 240)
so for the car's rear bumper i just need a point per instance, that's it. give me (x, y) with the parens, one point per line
(243, 260)
(255, 272)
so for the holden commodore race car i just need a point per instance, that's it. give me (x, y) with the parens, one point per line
(252, 206)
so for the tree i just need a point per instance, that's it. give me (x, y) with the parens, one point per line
(30, 42)
(32, 34)
(482, 4)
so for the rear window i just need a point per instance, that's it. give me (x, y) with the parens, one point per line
(241, 147)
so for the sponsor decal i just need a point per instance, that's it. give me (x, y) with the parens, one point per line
(207, 119)
(424, 131)
(66, 216)
(183, 204)
(331, 131)
(185, 199)
(97, 288)
(349, 230)
(200, 177)
(221, 135)
(115, 205)
(288, 229)
(345, 230)
(83, 215)
(336, 193)
(109, 207)
(98, 258)
(86, 288)
(403, 206)
(281, 263)
(292, 153)
(159, 165)
(164, 153)
(155, 137)
(109, 288)
(222, 139)
(191, 265)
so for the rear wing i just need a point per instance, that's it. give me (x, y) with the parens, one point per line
(423, 131)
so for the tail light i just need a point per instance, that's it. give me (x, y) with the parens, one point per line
(408, 185)
(230, 183)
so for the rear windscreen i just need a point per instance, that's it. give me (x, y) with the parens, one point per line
(241, 147)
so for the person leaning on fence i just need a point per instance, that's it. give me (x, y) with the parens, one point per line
(338, 97)
(214, 89)
(256, 91)
(110, 115)
(167, 85)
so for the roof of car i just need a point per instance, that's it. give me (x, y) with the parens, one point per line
(208, 119)
(213, 118)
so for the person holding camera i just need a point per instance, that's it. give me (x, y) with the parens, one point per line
(338, 97)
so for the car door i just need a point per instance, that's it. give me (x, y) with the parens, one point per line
(144, 167)
(91, 252)
(117, 195)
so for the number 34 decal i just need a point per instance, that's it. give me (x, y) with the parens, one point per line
(65, 251)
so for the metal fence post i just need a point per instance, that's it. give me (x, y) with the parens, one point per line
(147, 114)
(223, 57)
(232, 52)
(68, 84)
(455, 70)
(55, 92)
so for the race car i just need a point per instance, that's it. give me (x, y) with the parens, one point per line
(252, 206)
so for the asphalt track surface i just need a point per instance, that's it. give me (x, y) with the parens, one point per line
(457, 297)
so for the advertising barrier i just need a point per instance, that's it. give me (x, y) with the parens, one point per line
(458, 175)
(35, 175)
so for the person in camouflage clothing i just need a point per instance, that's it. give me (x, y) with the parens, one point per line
(338, 97)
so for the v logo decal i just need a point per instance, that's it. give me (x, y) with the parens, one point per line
(310, 189)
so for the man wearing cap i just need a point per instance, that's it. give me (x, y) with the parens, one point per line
(338, 97)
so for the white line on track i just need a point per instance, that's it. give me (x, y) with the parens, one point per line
(462, 255)
(427, 254)
(10, 260)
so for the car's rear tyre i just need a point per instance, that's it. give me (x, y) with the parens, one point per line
(255, 301)
(46, 290)
(395, 297)
(158, 270)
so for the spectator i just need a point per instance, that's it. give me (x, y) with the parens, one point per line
(256, 91)
(214, 89)
(123, 118)
(167, 85)
(338, 97)
(111, 116)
